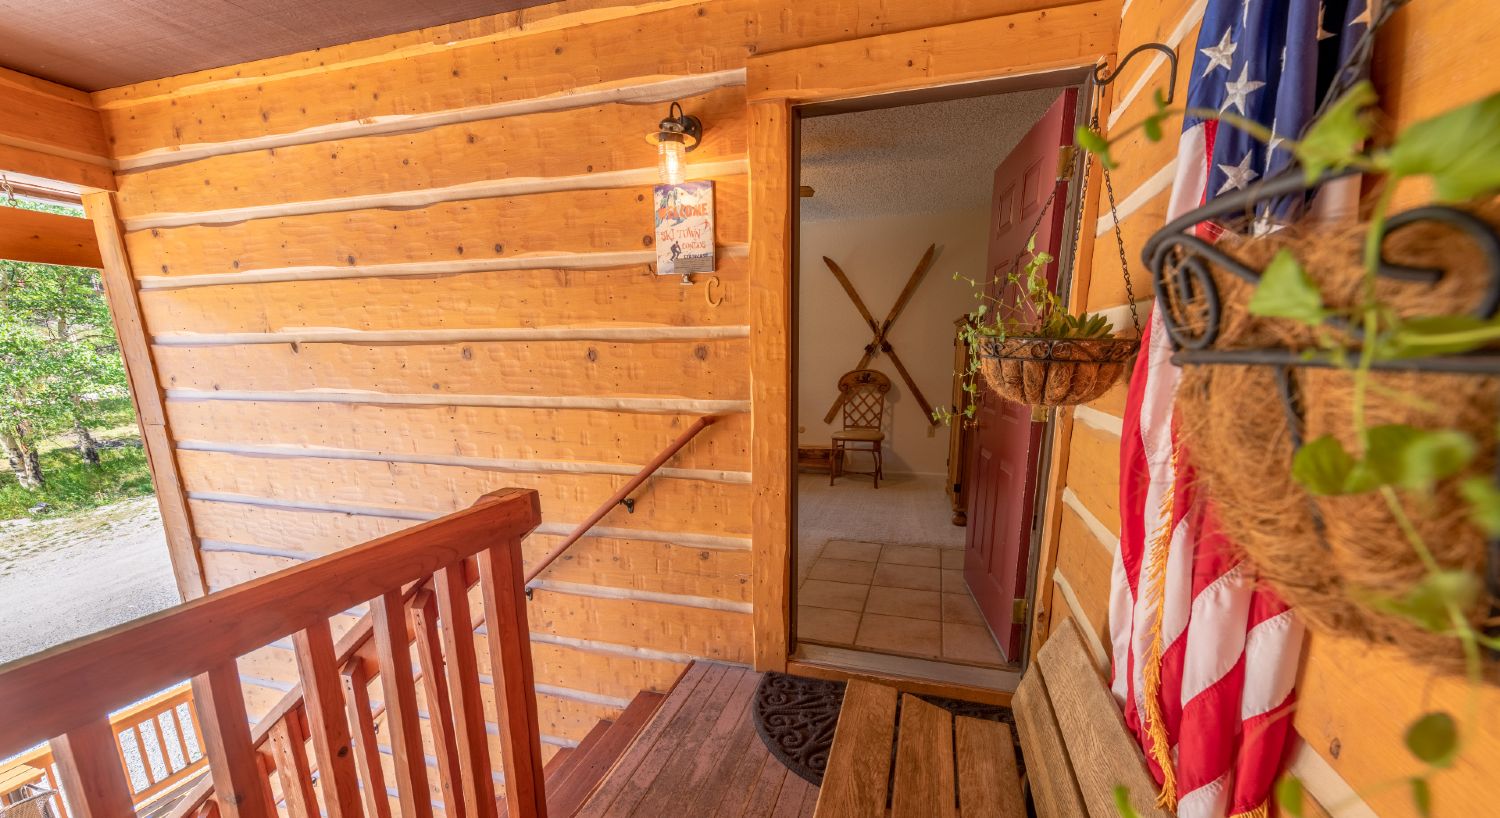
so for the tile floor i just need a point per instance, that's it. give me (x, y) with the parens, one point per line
(907, 600)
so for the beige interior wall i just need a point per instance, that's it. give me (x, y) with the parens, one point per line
(879, 254)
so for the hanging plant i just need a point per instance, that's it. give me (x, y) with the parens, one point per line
(1029, 348)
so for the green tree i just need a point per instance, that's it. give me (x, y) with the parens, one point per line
(60, 358)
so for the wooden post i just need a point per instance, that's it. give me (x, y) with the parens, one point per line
(88, 762)
(466, 697)
(329, 729)
(289, 749)
(366, 754)
(439, 710)
(394, 652)
(146, 394)
(504, 594)
(239, 784)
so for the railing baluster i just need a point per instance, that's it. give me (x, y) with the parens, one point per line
(466, 697)
(88, 762)
(366, 754)
(290, 754)
(402, 722)
(161, 747)
(424, 617)
(322, 699)
(504, 595)
(225, 738)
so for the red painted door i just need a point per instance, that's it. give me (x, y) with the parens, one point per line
(1006, 441)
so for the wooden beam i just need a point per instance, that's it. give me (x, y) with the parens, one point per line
(47, 238)
(1030, 42)
(50, 131)
(770, 377)
(121, 289)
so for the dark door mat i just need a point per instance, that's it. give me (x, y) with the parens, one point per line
(796, 716)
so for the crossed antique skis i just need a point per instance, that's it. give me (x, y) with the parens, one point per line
(880, 342)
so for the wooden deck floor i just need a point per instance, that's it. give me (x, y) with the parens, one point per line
(701, 756)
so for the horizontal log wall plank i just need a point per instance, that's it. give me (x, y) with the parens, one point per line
(572, 142)
(620, 297)
(664, 505)
(710, 370)
(591, 221)
(625, 439)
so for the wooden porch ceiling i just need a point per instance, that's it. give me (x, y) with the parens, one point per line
(96, 44)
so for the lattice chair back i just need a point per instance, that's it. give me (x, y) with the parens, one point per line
(864, 398)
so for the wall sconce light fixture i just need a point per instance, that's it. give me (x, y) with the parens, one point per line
(674, 137)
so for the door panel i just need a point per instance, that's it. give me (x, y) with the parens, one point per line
(1006, 442)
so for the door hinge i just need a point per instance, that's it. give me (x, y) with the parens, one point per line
(1018, 610)
(1066, 156)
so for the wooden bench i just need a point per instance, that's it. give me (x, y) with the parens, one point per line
(1073, 739)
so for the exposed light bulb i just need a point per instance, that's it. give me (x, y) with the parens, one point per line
(671, 159)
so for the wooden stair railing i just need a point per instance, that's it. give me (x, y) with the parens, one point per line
(64, 694)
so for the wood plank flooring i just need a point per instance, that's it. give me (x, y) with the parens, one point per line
(700, 756)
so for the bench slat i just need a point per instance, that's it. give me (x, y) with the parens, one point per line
(1047, 768)
(924, 762)
(854, 785)
(989, 785)
(1102, 753)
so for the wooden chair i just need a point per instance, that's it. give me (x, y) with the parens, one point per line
(862, 393)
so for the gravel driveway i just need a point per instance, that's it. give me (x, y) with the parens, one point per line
(69, 577)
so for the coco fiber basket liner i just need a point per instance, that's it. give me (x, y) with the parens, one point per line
(1054, 371)
(1330, 556)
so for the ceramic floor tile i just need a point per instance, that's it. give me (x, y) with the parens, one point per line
(961, 609)
(907, 602)
(842, 596)
(953, 559)
(953, 582)
(855, 571)
(826, 625)
(910, 555)
(851, 550)
(969, 643)
(898, 633)
(908, 576)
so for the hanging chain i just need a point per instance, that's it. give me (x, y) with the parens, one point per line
(1114, 215)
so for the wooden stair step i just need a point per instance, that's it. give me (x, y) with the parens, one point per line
(854, 785)
(602, 754)
(989, 783)
(924, 762)
(580, 753)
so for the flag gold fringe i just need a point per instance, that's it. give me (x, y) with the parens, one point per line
(1156, 729)
(1262, 811)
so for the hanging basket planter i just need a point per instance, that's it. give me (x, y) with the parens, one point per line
(1255, 390)
(1054, 371)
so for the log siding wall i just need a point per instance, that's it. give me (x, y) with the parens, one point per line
(383, 278)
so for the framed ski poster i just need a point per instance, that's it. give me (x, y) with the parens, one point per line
(684, 228)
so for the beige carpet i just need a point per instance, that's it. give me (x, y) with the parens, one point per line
(905, 510)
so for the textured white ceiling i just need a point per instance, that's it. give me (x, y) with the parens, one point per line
(928, 158)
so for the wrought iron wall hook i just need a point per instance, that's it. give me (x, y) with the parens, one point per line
(1104, 77)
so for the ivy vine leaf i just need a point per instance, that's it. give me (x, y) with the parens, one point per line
(1335, 139)
(1322, 466)
(1289, 796)
(1093, 142)
(1484, 504)
(1432, 456)
(1433, 738)
(1429, 602)
(1459, 149)
(1421, 796)
(1286, 291)
(1122, 803)
(1440, 335)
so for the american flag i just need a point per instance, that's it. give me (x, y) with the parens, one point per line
(1205, 659)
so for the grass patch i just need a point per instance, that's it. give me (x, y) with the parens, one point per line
(72, 487)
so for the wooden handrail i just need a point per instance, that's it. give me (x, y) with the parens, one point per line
(63, 693)
(615, 499)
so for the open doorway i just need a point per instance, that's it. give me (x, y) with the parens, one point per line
(915, 538)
